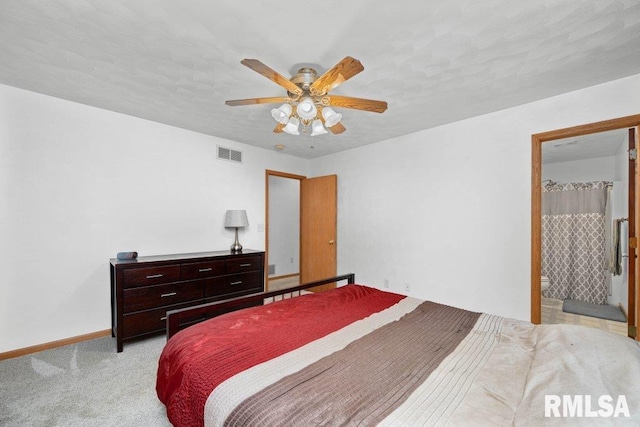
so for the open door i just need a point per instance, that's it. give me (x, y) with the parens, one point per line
(633, 239)
(633, 312)
(318, 229)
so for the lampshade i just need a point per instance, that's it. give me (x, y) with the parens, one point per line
(331, 118)
(236, 219)
(317, 128)
(282, 113)
(292, 126)
(306, 109)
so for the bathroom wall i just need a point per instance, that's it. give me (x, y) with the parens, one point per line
(620, 200)
(596, 169)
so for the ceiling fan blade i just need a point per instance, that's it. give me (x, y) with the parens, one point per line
(253, 101)
(338, 128)
(358, 103)
(340, 73)
(272, 75)
(279, 128)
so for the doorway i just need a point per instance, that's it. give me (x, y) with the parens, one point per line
(536, 217)
(282, 230)
(584, 202)
(301, 234)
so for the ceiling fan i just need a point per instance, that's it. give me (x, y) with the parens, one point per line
(308, 102)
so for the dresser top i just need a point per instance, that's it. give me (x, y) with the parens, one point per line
(177, 257)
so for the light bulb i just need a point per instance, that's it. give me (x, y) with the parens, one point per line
(306, 109)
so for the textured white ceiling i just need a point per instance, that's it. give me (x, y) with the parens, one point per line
(602, 144)
(434, 62)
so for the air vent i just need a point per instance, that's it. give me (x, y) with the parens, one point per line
(229, 154)
(272, 269)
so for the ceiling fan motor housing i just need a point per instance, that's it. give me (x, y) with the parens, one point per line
(304, 78)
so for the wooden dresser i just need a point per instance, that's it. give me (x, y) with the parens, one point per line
(144, 289)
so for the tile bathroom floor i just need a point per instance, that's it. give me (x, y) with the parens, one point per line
(552, 314)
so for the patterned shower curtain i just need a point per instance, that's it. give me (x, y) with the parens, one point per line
(574, 250)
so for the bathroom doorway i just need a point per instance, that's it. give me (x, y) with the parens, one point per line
(571, 140)
(585, 192)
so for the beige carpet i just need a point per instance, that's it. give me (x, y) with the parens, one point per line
(85, 384)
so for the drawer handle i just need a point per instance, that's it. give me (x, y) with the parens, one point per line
(204, 270)
(236, 283)
(170, 294)
(155, 276)
(245, 265)
(163, 318)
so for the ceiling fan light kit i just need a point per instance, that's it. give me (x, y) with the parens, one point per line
(331, 118)
(292, 127)
(282, 113)
(307, 104)
(317, 128)
(306, 109)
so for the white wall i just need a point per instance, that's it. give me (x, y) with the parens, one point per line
(79, 184)
(448, 209)
(620, 292)
(585, 170)
(284, 225)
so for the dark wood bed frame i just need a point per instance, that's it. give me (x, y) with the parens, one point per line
(180, 319)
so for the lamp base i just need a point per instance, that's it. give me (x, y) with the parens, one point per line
(236, 247)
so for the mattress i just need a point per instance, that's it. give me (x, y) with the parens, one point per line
(359, 355)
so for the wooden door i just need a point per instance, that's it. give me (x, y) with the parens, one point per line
(632, 277)
(318, 229)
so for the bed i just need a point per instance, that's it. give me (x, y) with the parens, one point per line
(356, 355)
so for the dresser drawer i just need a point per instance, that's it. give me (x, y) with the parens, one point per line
(238, 265)
(143, 290)
(150, 276)
(144, 322)
(227, 286)
(199, 270)
(146, 297)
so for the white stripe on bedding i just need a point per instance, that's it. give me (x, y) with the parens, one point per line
(236, 389)
(434, 401)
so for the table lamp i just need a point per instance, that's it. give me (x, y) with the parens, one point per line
(236, 219)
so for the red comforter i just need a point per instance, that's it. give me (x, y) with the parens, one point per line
(199, 358)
